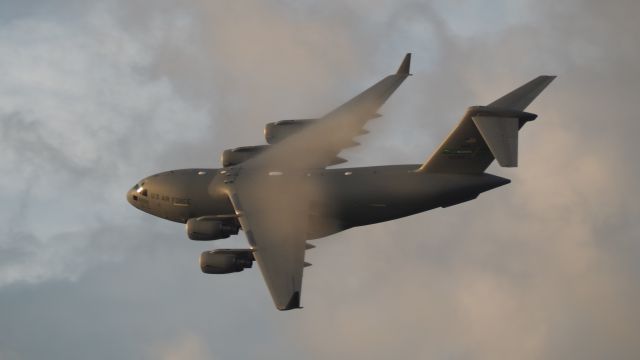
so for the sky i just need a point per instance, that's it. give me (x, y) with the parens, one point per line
(95, 95)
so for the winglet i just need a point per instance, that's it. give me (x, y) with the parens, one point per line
(294, 302)
(406, 64)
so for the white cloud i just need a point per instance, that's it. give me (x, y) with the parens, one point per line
(185, 346)
(81, 120)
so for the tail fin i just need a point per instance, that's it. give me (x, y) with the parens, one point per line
(487, 132)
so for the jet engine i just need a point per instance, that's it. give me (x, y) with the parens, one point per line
(225, 261)
(208, 229)
(277, 131)
(231, 157)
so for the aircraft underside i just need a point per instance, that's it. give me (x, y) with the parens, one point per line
(369, 195)
(281, 193)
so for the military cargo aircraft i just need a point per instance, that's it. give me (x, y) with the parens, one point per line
(282, 194)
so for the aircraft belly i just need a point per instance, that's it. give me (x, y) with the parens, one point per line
(361, 200)
(384, 196)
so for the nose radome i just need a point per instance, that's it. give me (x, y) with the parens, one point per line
(130, 197)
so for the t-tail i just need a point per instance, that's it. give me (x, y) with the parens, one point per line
(486, 133)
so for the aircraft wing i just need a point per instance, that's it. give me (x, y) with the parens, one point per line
(318, 145)
(272, 223)
(273, 202)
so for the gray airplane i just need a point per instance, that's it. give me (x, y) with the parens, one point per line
(281, 194)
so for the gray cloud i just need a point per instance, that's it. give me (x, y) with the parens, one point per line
(543, 268)
(74, 104)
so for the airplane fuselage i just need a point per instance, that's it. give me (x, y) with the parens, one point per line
(281, 193)
(348, 197)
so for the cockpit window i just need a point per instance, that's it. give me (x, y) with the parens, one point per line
(139, 189)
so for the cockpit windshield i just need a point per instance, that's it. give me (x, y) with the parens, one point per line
(139, 188)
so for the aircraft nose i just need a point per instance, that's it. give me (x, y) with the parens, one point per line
(137, 195)
(130, 197)
(133, 195)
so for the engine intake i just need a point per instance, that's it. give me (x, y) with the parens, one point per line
(277, 131)
(206, 229)
(225, 261)
(231, 157)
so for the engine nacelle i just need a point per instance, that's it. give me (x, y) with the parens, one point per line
(225, 261)
(231, 157)
(206, 229)
(277, 131)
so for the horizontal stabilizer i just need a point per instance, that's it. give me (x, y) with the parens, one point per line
(501, 136)
(521, 97)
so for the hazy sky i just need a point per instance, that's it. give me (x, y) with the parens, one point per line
(95, 95)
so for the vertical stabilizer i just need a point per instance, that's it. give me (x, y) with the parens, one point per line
(486, 133)
(501, 136)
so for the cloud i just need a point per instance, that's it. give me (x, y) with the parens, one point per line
(184, 347)
(79, 118)
(545, 267)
